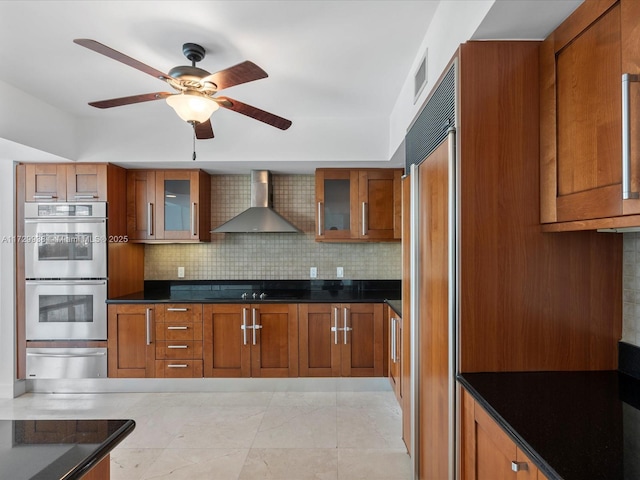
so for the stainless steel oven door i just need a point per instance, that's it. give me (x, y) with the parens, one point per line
(66, 309)
(65, 247)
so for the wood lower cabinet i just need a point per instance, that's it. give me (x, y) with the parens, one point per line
(487, 452)
(250, 340)
(130, 339)
(341, 340)
(178, 340)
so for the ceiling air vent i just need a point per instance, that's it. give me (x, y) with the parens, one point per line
(420, 77)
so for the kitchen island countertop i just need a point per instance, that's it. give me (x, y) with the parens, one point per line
(573, 425)
(57, 449)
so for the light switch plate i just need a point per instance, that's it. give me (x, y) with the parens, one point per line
(340, 272)
(180, 272)
(313, 272)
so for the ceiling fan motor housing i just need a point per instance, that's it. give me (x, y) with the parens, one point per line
(193, 52)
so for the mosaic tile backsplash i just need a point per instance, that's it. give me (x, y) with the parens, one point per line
(631, 289)
(270, 256)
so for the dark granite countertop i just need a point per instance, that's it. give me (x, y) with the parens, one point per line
(277, 291)
(66, 450)
(396, 305)
(573, 425)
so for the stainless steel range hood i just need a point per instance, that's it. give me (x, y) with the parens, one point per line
(260, 217)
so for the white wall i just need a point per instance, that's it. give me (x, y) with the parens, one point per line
(28, 121)
(454, 23)
(7, 288)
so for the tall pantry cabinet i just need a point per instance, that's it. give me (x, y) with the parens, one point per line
(489, 291)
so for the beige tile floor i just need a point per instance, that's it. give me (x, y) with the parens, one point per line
(241, 436)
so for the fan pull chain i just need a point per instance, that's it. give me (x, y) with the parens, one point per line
(193, 157)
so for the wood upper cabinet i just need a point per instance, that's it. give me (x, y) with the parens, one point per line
(87, 182)
(131, 339)
(244, 340)
(45, 182)
(168, 205)
(487, 452)
(581, 118)
(51, 182)
(341, 340)
(358, 205)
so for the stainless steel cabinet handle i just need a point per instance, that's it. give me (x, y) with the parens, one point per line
(365, 227)
(81, 197)
(519, 466)
(177, 346)
(345, 319)
(149, 218)
(393, 340)
(172, 309)
(194, 219)
(177, 365)
(177, 328)
(65, 282)
(319, 218)
(255, 326)
(627, 194)
(44, 197)
(244, 326)
(148, 318)
(335, 328)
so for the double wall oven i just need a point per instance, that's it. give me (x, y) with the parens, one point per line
(66, 288)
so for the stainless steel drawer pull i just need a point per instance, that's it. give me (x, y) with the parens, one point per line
(177, 346)
(177, 328)
(66, 355)
(178, 365)
(173, 309)
(627, 194)
(244, 326)
(85, 196)
(255, 326)
(44, 197)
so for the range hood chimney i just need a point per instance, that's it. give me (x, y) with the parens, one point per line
(260, 217)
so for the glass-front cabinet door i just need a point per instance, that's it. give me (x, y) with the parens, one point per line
(177, 205)
(337, 199)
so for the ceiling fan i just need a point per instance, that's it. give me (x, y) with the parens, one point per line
(194, 98)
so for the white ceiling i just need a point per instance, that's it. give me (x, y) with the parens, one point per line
(335, 69)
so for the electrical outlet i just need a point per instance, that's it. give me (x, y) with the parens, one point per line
(180, 272)
(313, 272)
(340, 272)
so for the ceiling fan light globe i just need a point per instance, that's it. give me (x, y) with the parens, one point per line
(192, 108)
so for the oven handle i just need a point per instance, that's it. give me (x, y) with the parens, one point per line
(66, 355)
(66, 282)
(65, 220)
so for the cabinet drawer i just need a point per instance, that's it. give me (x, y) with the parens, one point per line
(178, 368)
(181, 313)
(166, 350)
(178, 331)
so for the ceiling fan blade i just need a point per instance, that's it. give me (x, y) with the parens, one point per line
(118, 102)
(204, 130)
(253, 112)
(120, 57)
(241, 73)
